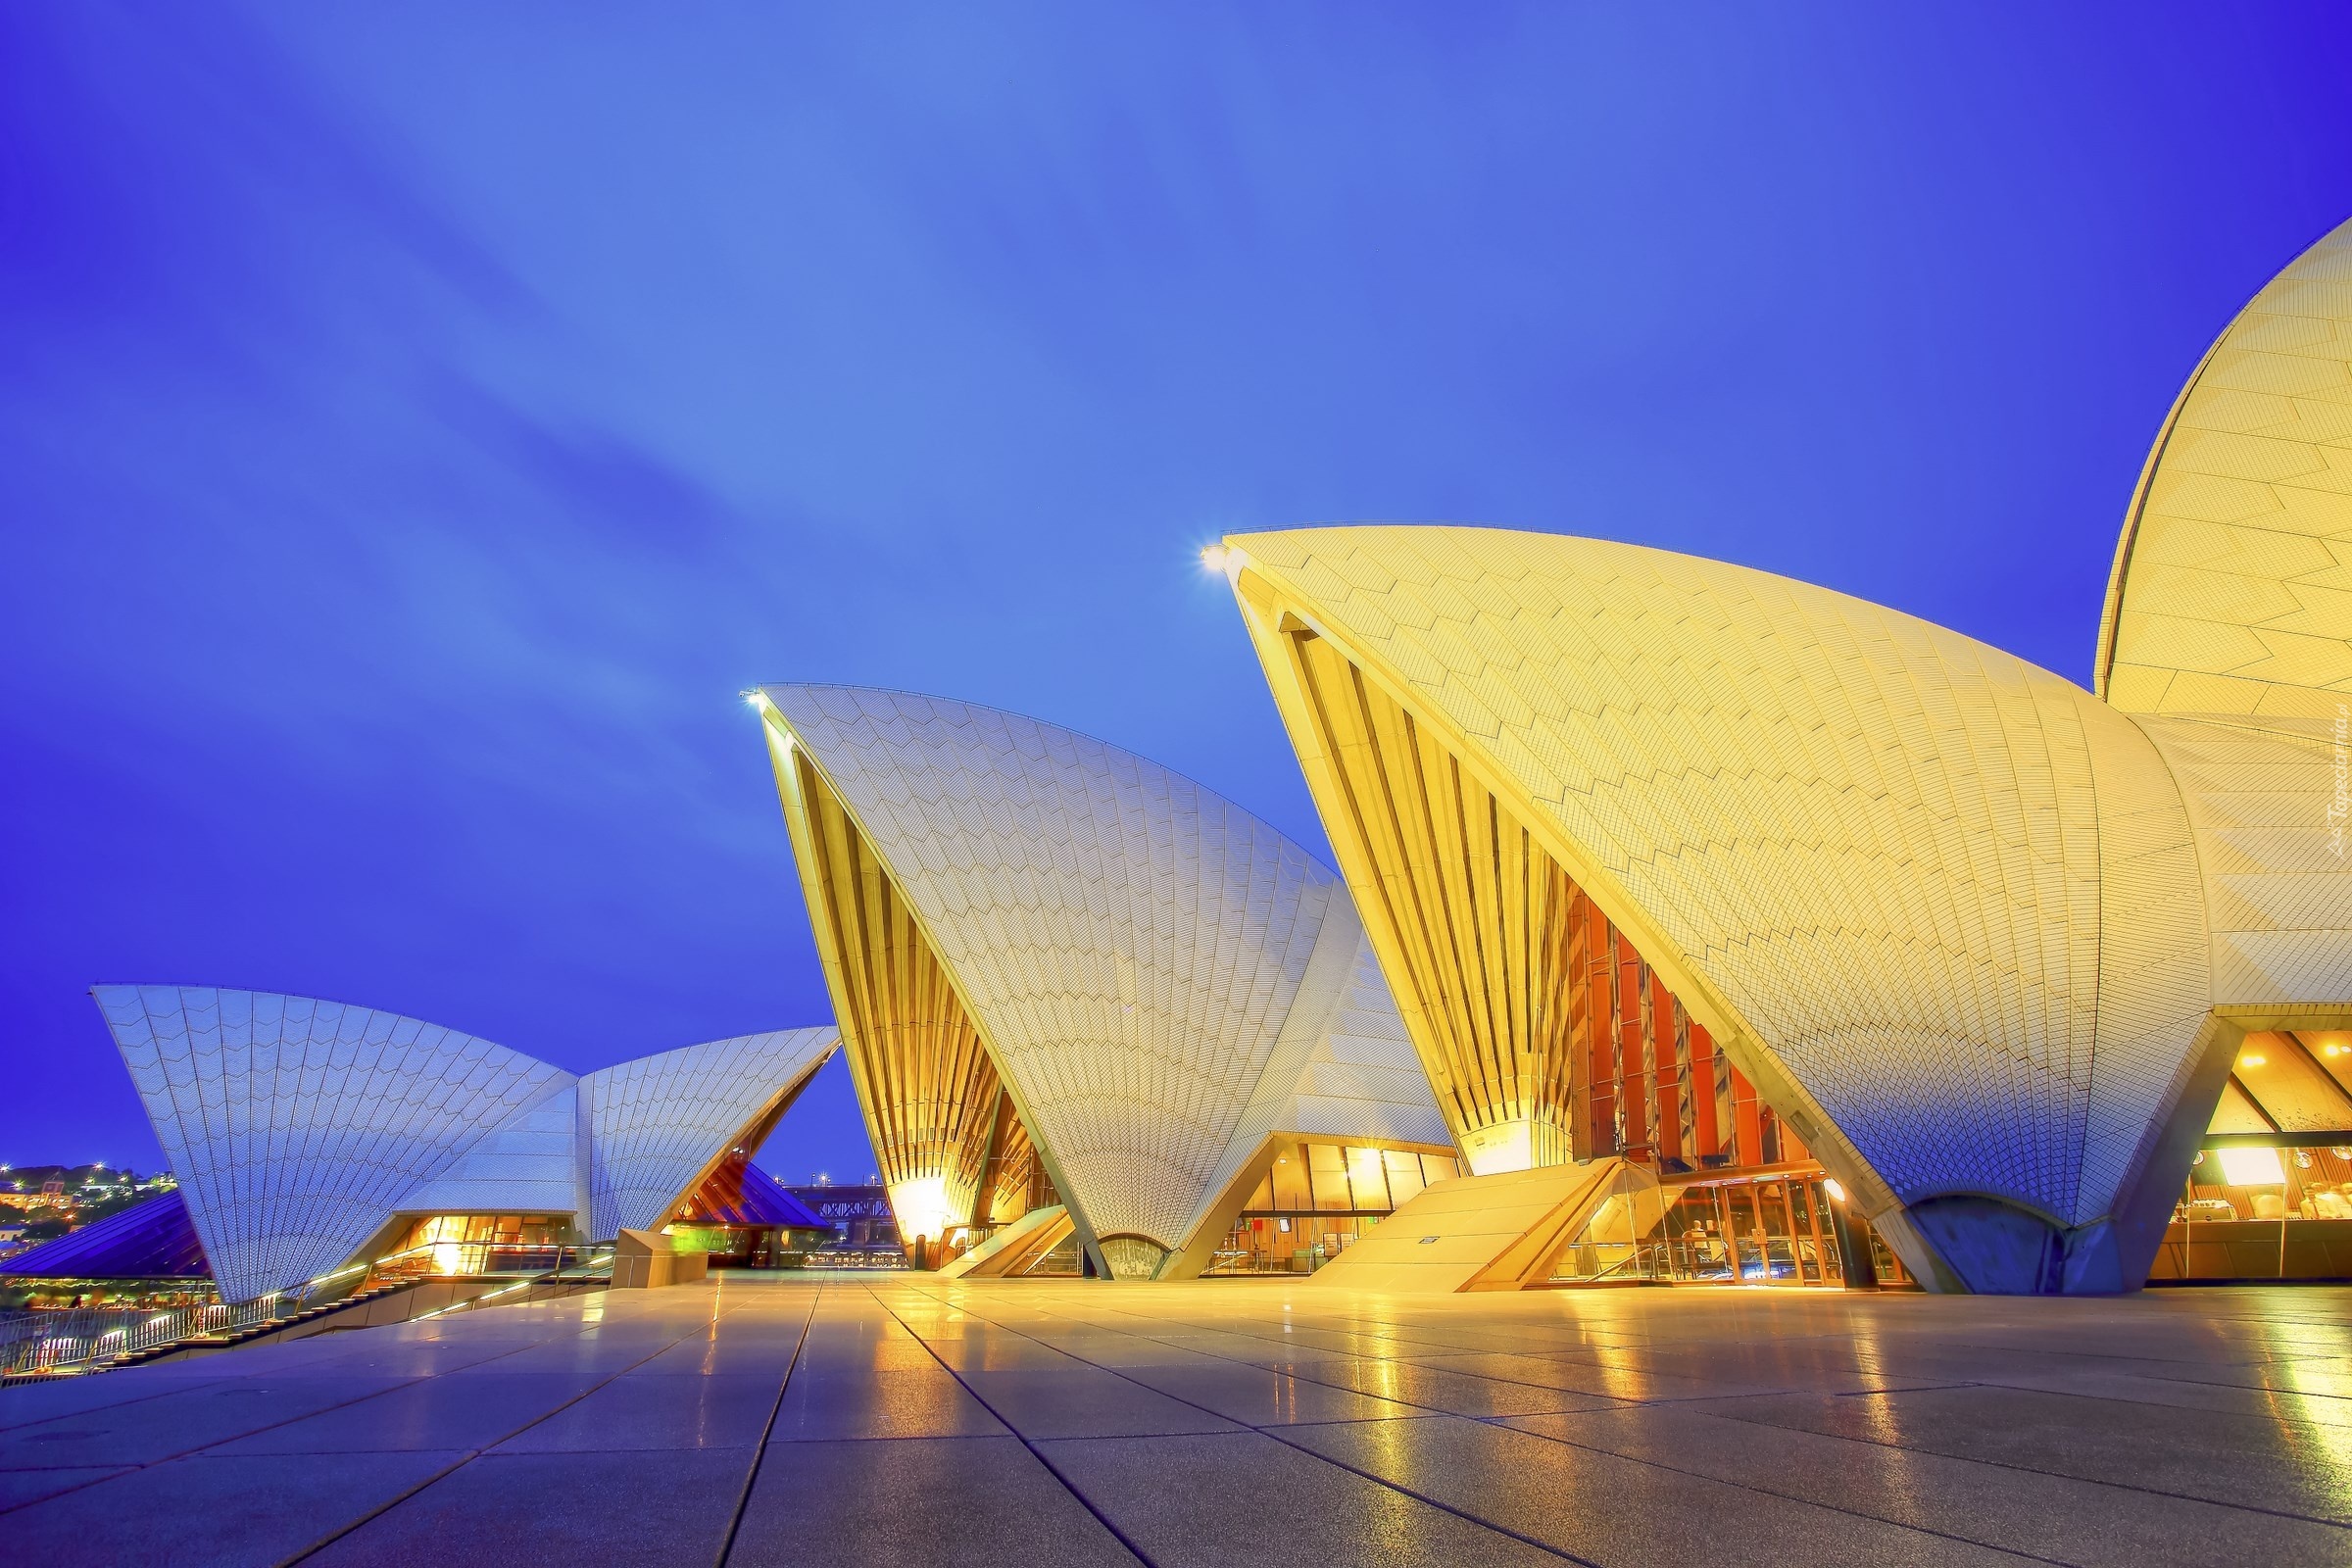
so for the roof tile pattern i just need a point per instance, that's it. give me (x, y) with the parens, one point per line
(1880, 842)
(1344, 1065)
(659, 1124)
(2278, 885)
(530, 1163)
(297, 1126)
(2233, 584)
(2228, 631)
(1131, 945)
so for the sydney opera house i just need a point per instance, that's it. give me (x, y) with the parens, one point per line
(1691, 924)
(308, 1136)
(1088, 1003)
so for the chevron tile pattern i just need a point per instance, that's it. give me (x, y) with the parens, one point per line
(2233, 584)
(530, 1163)
(657, 1125)
(2276, 892)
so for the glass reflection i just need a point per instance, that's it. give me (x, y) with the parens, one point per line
(1770, 1227)
(1318, 1200)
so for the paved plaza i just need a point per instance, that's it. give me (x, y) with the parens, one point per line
(901, 1420)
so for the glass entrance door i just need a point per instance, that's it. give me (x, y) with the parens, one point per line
(1770, 1228)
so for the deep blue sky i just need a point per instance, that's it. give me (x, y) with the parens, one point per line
(418, 423)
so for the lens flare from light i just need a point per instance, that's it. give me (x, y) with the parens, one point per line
(921, 1208)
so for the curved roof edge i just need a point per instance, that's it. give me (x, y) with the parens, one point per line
(2231, 591)
(1021, 849)
(1733, 765)
(300, 1129)
(657, 1126)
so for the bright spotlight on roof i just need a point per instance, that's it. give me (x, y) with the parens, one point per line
(755, 698)
(1213, 558)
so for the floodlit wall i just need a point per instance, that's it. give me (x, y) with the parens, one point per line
(1987, 941)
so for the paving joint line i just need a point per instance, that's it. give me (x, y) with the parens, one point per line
(1296, 1447)
(1499, 1422)
(468, 1456)
(120, 1471)
(743, 1503)
(2029, 1470)
(1021, 1436)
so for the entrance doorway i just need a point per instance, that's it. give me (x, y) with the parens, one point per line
(1771, 1227)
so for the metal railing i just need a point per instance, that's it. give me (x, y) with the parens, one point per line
(79, 1337)
(433, 1260)
(88, 1338)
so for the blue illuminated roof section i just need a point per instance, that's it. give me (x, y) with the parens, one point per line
(740, 1192)
(151, 1240)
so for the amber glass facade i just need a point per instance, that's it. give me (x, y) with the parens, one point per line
(1316, 1200)
(2270, 1196)
(1653, 1087)
(1545, 1034)
(482, 1244)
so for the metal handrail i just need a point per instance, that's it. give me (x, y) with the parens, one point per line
(59, 1341)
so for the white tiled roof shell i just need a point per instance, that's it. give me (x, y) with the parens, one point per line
(2278, 884)
(2233, 584)
(657, 1123)
(295, 1126)
(2229, 630)
(530, 1163)
(1903, 857)
(1131, 943)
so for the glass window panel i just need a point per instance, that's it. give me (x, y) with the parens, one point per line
(1327, 1165)
(2289, 1086)
(1289, 1178)
(2236, 1114)
(1367, 1186)
(2331, 1049)
(1438, 1167)
(1404, 1176)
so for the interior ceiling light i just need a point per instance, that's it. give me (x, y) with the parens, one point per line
(2252, 1167)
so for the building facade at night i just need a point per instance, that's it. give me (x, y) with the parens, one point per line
(1812, 942)
(310, 1135)
(1075, 986)
(1750, 884)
